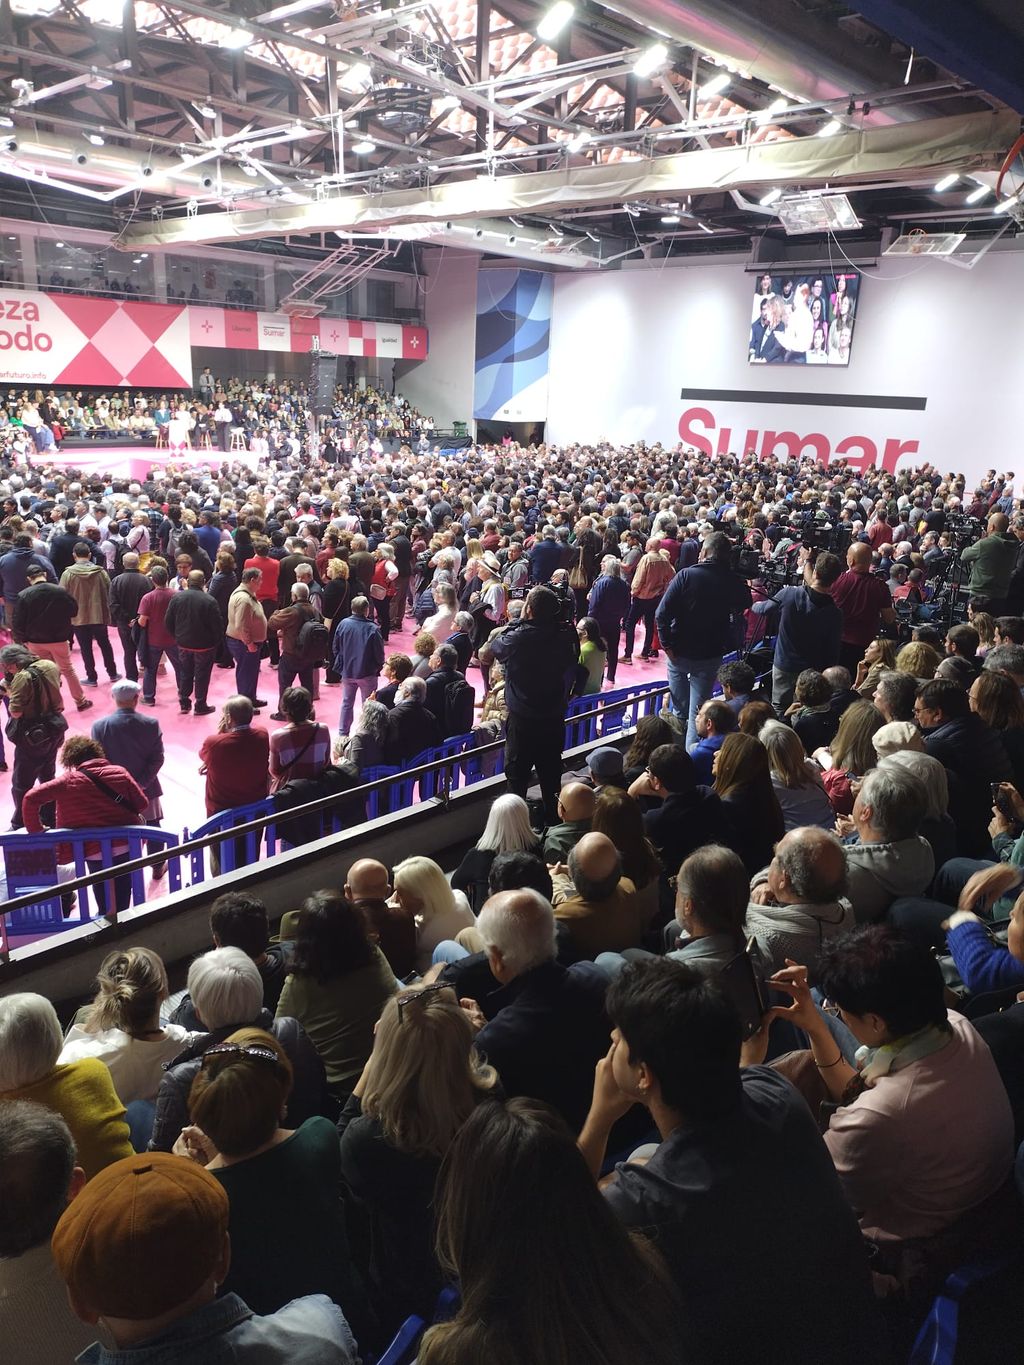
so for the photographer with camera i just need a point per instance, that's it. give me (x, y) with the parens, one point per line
(992, 560)
(539, 654)
(700, 619)
(810, 626)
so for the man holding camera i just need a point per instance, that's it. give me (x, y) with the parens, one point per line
(992, 560)
(539, 655)
(698, 622)
(810, 626)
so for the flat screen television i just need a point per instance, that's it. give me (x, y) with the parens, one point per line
(807, 318)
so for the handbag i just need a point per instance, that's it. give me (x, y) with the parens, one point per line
(36, 732)
(378, 592)
(577, 576)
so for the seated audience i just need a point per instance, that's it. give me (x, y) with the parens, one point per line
(997, 699)
(743, 784)
(513, 1178)
(336, 987)
(303, 747)
(576, 802)
(239, 920)
(283, 1185)
(687, 817)
(145, 1247)
(367, 740)
(606, 768)
(713, 722)
(895, 695)
(738, 681)
(879, 658)
(840, 681)
(754, 716)
(738, 1149)
(711, 901)
(421, 1082)
(39, 1176)
(618, 816)
(423, 891)
(650, 733)
(798, 903)
(937, 826)
(811, 714)
(850, 755)
(81, 1091)
(923, 1134)
(412, 728)
(369, 889)
(227, 994)
(508, 830)
(593, 900)
(796, 779)
(971, 751)
(918, 659)
(890, 858)
(985, 966)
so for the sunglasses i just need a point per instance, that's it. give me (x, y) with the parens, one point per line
(254, 1050)
(423, 994)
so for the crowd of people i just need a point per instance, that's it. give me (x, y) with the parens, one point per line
(672, 1034)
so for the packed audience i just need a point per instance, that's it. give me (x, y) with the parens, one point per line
(726, 1016)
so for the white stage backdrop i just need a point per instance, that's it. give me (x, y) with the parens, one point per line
(660, 354)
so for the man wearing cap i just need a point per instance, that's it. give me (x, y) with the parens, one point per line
(42, 622)
(144, 1248)
(604, 769)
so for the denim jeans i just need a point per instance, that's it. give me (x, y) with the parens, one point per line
(691, 681)
(783, 688)
(349, 687)
(247, 667)
(152, 663)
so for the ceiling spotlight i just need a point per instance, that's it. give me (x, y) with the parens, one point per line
(448, 103)
(669, 218)
(766, 115)
(364, 147)
(95, 139)
(714, 86)
(60, 244)
(1007, 205)
(978, 194)
(579, 139)
(236, 38)
(946, 183)
(770, 197)
(650, 60)
(831, 128)
(555, 20)
(136, 260)
(107, 12)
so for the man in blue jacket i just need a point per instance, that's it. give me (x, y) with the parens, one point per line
(358, 659)
(810, 627)
(545, 557)
(699, 621)
(608, 605)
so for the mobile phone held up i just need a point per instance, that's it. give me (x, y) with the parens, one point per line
(1000, 800)
(742, 983)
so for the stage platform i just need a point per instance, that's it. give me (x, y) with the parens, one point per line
(129, 461)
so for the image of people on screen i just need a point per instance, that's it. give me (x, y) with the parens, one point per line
(803, 319)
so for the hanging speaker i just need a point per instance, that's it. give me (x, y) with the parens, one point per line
(323, 378)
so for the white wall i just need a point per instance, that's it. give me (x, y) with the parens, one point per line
(442, 385)
(623, 345)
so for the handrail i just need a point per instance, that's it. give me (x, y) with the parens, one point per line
(323, 803)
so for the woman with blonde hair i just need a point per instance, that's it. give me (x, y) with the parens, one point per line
(919, 660)
(422, 1081)
(422, 890)
(508, 830)
(795, 778)
(851, 754)
(122, 1025)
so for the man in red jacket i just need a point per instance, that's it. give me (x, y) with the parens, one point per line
(236, 764)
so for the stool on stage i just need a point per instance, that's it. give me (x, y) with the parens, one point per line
(205, 443)
(237, 439)
(161, 437)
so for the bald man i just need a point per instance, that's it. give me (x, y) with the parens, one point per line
(597, 904)
(865, 602)
(576, 803)
(798, 902)
(992, 560)
(368, 885)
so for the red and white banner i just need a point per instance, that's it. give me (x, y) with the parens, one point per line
(79, 340)
(246, 331)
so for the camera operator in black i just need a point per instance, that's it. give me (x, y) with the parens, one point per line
(810, 626)
(539, 654)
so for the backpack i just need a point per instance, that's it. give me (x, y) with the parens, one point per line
(459, 700)
(313, 640)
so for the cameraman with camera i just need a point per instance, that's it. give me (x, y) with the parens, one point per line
(810, 626)
(699, 620)
(539, 654)
(992, 560)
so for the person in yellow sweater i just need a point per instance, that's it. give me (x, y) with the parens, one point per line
(81, 1092)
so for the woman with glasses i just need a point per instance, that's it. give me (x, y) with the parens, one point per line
(422, 1081)
(287, 1222)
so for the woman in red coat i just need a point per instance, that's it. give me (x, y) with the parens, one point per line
(91, 793)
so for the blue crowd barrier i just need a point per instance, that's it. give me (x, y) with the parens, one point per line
(224, 822)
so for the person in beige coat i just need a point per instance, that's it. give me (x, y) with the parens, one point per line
(246, 633)
(89, 585)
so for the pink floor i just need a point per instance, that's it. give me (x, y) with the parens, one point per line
(135, 461)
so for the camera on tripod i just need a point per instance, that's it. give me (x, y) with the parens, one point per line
(965, 530)
(746, 561)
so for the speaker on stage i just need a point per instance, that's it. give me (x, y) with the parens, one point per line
(323, 378)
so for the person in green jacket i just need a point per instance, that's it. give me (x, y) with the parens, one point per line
(593, 656)
(992, 560)
(89, 585)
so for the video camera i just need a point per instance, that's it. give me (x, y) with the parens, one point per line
(965, 530)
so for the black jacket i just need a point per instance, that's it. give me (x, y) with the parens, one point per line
(411, 729)
(540, 664)
(193, 618)
(309, 1083)
(126, 592)
(700, 615)
(436, 684)
(975, 755)
(43, 614)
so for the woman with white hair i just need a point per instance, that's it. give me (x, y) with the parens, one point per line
(422, 890)
(365, 747)
(81, 1092)
(795, 778)
(508, 830)
(227, 994)
(440, 623)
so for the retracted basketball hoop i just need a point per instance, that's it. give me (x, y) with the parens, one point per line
(916, 241)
